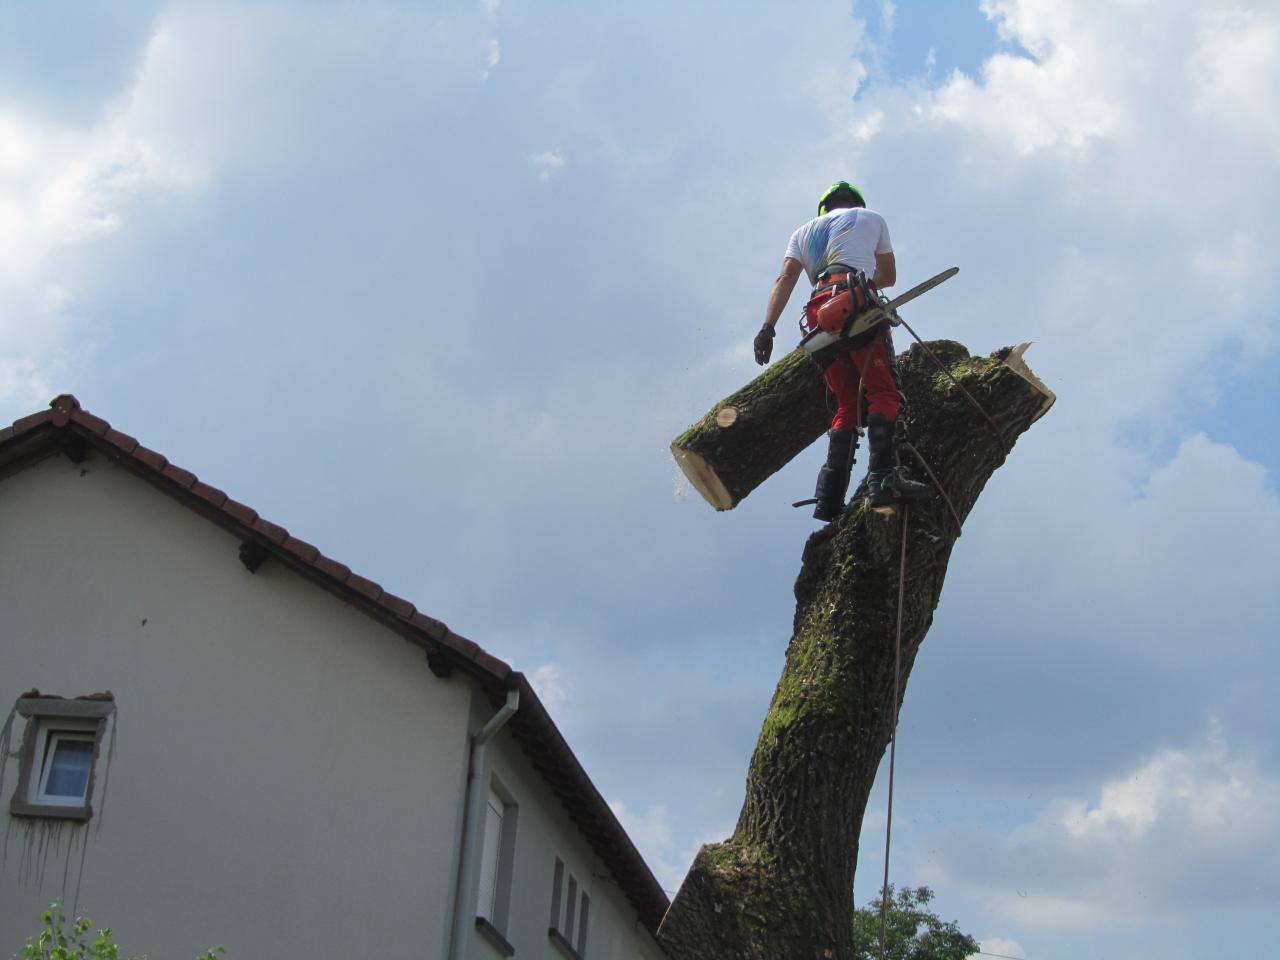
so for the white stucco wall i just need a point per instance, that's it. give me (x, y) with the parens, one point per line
(544, 832)
(287, 774)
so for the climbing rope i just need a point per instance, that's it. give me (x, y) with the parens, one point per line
(937, 484)
(902, 582)
(893, 736)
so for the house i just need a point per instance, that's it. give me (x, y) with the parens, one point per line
(218, 735)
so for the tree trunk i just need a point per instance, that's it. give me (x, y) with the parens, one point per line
(782, 886)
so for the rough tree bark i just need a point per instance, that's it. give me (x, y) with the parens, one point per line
(749, 436)
(782, 886)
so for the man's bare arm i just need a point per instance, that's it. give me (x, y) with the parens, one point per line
(782, 287)
(886, 270)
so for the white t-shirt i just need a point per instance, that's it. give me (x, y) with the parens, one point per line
(853, 236)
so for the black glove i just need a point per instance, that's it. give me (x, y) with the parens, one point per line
(764, 344)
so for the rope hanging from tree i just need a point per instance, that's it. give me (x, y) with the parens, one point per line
(893, 737)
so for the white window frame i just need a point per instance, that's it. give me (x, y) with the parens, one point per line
(497, 865)
(570, 913)
(49, 733)
(48, 720)
(491, 856)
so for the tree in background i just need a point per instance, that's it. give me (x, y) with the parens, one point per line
(56, 942)
(911, 931)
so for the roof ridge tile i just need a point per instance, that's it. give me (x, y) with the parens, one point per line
(401, 607)
(364, 586)
(241, 511)
(184, 478)
(30, 421)
(151, 458)
(211, 494)
(87, 420)
(429, 625)
(122, 440)
(272, 531)
(304, 551)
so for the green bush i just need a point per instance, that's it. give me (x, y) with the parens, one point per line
(56, 942)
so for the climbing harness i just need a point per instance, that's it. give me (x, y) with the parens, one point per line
(821, 345)
(837, 301)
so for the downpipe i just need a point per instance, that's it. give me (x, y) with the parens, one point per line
(464, 908)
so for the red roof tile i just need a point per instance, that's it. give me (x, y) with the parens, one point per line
(30, 422)
(429, 625)
(400, 607)
(149, 457)
(273, 532)
(95, 425)
(300, 548)
(468, 648)
(332, 568)
(366, 587)
(244, 514)
(122, 440)
(179, 476)
(212, 494)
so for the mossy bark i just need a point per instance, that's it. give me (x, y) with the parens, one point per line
(749, 436)
(782, 886)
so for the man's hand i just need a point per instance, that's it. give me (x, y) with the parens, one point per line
(764, 344)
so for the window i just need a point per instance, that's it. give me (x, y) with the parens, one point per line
(67, 762)
(497, 858)
(570, 910)
(492, 848)
(58, 755)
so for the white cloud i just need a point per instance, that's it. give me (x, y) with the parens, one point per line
(1202, 788)
(62, 188)
(552, 686)
(548, 163)
(653, 836)
(490, 7)
(492, 59)
(1058, 97)
(1235, 73)
(1183, 827)
(1107, 184)
(888, 15)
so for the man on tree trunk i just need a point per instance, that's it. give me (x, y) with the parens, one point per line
(843, 249)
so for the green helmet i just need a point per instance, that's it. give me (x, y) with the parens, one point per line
(837, 188)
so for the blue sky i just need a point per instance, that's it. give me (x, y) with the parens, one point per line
(434, 286)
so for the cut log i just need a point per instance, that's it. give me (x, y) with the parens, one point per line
(749, 436)
(782, 886)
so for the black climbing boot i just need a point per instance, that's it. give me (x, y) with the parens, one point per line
(833, 478)
(893, 486)
(886, 481)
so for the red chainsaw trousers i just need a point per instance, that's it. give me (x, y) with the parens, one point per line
(867, 366)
